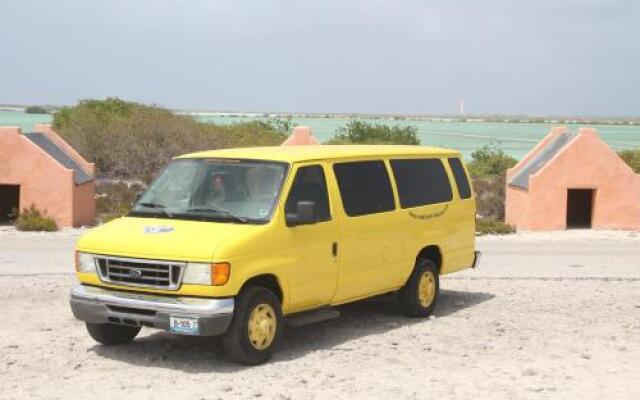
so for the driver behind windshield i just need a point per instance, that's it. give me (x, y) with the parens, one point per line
(223, 188)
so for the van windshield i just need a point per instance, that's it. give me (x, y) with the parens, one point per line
(225, 190)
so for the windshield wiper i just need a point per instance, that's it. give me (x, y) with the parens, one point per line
(160, 207)
(152, 205)
(218, 211)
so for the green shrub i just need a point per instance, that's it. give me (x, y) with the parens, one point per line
(36, 110)
(490, 162)
(490, 226)
(282, 126)
(32, 219)
(490, 197)
(488, 170)
(114, 199)
(132, 141)
(632, 158)
(360, 132)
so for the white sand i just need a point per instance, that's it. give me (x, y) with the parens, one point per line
(546, 316)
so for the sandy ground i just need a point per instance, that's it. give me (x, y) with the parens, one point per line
(546, 316)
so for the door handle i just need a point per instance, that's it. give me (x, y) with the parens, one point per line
(334, 249)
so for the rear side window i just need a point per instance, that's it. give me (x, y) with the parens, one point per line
(309, 185)
(365, 187)
(421, 182)
(464, 190)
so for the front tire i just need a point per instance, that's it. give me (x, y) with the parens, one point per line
(112, 334)
(256, 329)
(418, 297)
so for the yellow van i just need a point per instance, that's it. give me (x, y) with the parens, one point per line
(230, 242)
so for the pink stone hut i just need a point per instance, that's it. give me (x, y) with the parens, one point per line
(40, 168)
(301, 136)
(572, 180)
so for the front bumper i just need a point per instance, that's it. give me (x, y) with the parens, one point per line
(98, 305)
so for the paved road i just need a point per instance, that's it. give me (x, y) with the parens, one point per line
(552, 255)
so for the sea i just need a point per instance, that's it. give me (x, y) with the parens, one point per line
(515, 138)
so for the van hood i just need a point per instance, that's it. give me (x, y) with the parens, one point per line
(158, 238)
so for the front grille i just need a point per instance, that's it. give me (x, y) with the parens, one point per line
(140, 272)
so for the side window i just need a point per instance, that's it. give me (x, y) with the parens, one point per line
(365, 187)
(464, 190)
(421, 182)
(311, 185)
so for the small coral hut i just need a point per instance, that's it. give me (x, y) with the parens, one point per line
(572, 180)
(40, 168)
(301, 136)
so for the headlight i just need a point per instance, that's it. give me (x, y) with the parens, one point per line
(206, 274)
(85, 262)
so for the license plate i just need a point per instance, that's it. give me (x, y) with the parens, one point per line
(184, 325)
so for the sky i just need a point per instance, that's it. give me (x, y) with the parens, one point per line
(541, 57)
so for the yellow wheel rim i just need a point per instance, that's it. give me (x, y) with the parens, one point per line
(426, 289)
(262, 326)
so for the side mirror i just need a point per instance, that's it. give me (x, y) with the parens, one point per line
(305, 214)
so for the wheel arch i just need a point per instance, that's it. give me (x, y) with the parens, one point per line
(433, 253)
(269, 281)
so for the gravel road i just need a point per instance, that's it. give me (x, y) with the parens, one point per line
(546, 316)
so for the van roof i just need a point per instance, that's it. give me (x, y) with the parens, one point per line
(321, 152)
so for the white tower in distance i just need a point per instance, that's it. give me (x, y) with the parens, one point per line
(461, 110)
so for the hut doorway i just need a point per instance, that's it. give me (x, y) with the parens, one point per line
(9, 202)
(579, 208)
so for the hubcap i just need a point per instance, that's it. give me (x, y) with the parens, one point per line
(426, 289)
(262, 326)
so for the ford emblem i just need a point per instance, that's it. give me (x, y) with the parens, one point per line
(158, 229)
(135, 273)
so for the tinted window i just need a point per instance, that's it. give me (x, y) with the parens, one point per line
(464, 190)
(309, 185)
(421, 182)
(365, 187)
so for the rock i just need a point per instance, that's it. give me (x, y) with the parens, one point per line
(586, 356)
(226, 388)
(529, 372)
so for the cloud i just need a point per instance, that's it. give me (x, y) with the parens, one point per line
(300, 55)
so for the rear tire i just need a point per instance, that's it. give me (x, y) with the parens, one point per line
(256, 329)
(112, 334)
(418, 297)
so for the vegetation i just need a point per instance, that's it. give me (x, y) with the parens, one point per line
(32, 219)
(488, 169)
(36, 110)
(131, 141)
(114, 199)
(632, 158)
(489, 226)
(359, 132)
(490, 162)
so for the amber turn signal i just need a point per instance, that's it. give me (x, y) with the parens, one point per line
(220, 273)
